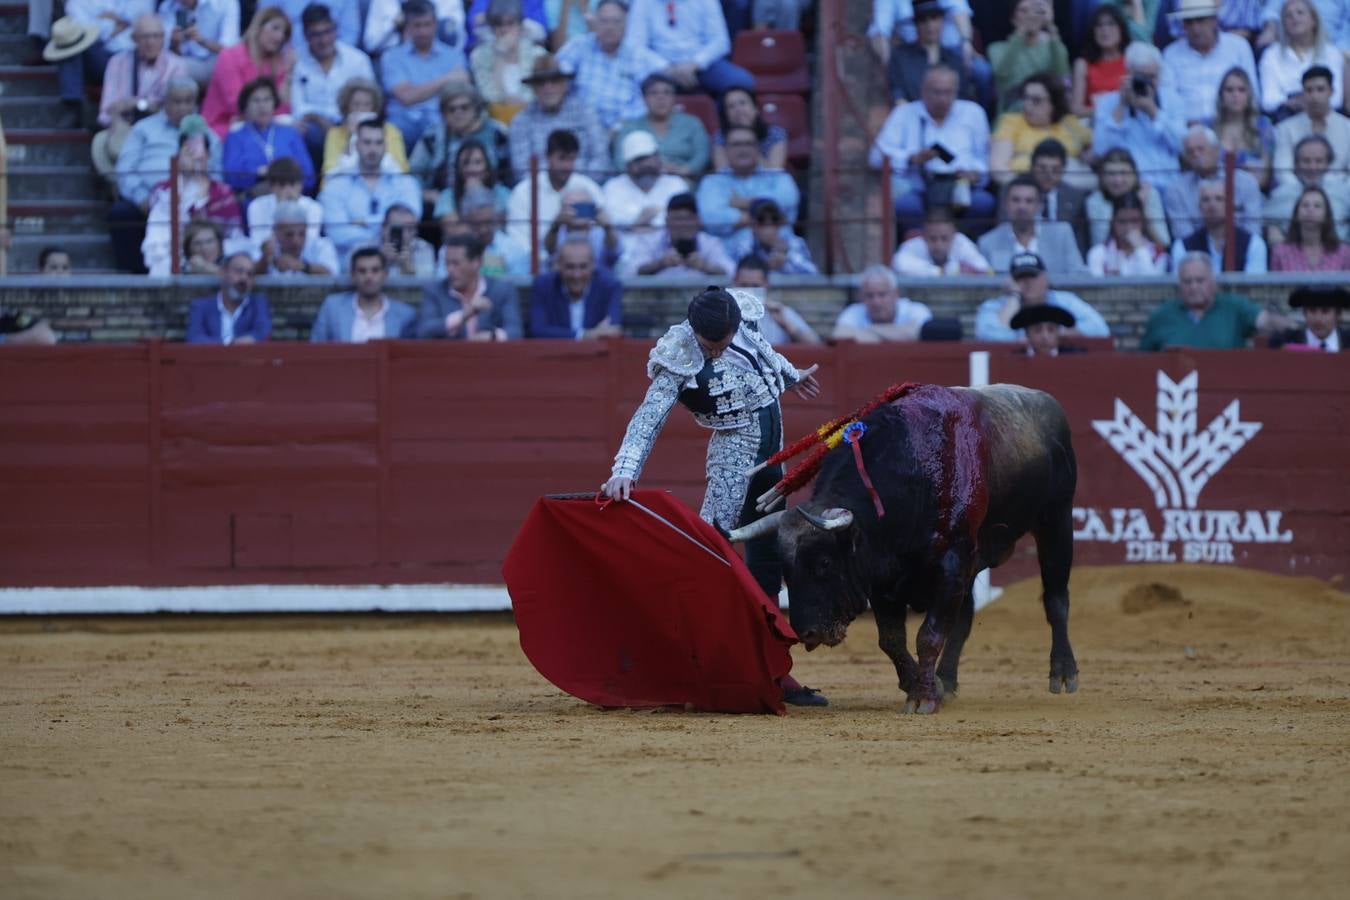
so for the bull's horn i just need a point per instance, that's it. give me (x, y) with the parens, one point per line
(832, 520)
(757, 528)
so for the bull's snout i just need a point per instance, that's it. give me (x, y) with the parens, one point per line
(830, 636)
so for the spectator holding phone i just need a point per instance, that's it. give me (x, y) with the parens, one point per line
(404, 252)
(1145, 117)
(199, 30)
(681, 248)
(561, 177)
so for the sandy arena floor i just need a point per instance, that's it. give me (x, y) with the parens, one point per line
(1207, 755)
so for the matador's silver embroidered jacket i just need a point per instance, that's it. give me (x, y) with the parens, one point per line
(724, 394)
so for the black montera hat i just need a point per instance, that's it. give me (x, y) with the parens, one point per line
(1042, 312)
(1322, 296)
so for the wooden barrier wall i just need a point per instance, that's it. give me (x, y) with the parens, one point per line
(395, 462)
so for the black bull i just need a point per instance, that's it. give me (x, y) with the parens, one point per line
(962, 473)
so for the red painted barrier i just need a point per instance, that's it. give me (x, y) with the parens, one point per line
(412, 462)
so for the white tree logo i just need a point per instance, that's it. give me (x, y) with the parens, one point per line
(1175, 461)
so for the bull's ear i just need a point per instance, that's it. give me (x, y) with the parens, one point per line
(831, 520)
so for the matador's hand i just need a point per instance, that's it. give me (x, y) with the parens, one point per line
(617, 488)
(808, 388)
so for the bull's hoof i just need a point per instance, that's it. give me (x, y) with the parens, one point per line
(925, 706)
(1066, 683)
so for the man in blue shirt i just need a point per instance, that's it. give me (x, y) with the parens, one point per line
(345, 12)
(609, 70)
(1149, 122)
(233, 315)
(691, 36)
(993, 320)
(415, 71)
(576, 300)
(726, 197)
(354, 201)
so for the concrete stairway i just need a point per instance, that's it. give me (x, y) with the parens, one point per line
(54, 196)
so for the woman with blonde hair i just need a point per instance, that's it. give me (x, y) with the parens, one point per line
(1241, 126)
(1302, 42)
(357, 100)
(263, 52)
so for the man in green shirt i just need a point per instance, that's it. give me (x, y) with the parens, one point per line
(1205, 318)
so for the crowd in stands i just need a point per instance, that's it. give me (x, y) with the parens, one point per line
(460, 143)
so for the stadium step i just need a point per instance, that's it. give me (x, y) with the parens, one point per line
(28, 81)
(14, 44)
(28, 112)
(13, 18)
(47, 147)
(88, 252)
(57, 218)
(29, 184)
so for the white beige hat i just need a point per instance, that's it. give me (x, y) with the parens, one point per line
(636, 145)
(1196, 9)
(70, 37)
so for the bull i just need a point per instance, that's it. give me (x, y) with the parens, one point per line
(960, 474)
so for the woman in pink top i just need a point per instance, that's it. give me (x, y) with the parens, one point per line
(264, 52)
(1312, 244)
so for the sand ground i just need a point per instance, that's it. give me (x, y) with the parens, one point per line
(1207, 755)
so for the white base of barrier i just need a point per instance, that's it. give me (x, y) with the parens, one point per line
(255, 598)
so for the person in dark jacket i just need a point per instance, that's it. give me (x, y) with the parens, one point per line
(234, 314)
(577, 300)
(467, 306)
(1322, 330)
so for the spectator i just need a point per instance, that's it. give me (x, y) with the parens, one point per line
(203, 248)
(1241, 18)
(285, 180)
(726, 196)
(993, 320)
(691, 38)
(882, 315)
(234, 314)
(264, 52)
(607, 69)
(898, 19)
(559, 178)
(320, 76)
(939, 150)
(291, 249)
(1312, 164)
(1044, 325)
(1249, 251)
(465, 118)
(355, 199)
(500, 65)
(1145, 117)
(738, 110)
(554, 109)
(782, 324)
(1128, 250)
(502, 254)
(133, 88)
(384, 18)
(345, 11)
(1203, 317)
(1026, 231)
(1241, 127)
(1182, 197)
(568, 20)
(1116, 177)
(909, 62)
(1141, 16)
(1317, 118)
(1303, 42)
(82, 42)
(1196, 65)
(472, 170)
(1062, 202)
(681, 137)
(1322, 320)
(1044, 115)
(252, 147)
(417, 70)
(581, 218)
(534, 24)
(199, 30)
(404, 252)
(22, 329)
(771, 239)
(466, 305)
(1033, 48)
(939, 249)
(359, 99)
(578, 299)
(199, 197)
(143, 163)
(1313, 244)
(636, 200)
(1335, 15)
(681, 248)
(365, 313)
(1101, 68)
(54, 261)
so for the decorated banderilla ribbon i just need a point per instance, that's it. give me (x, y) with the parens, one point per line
(853, 437)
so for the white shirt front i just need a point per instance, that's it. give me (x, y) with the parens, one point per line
(1333, 342)
(315, 91)
(913, 260)
(624, 200)
(228, 319)
(368, 328)
(262, 208)
(550, 203)
(907, 312)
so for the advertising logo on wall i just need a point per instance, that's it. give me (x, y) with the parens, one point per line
(1176, 460)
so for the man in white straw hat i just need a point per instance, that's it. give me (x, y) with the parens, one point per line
(1196, 65)
(82, 42)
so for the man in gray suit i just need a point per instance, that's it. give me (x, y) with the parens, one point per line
(467, 306)
(364, 314)
(1025, 232)
(1060, 202)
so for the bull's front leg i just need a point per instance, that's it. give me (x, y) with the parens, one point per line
(890, 616)
(944, 610)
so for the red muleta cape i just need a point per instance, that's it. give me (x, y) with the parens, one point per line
(620, 608)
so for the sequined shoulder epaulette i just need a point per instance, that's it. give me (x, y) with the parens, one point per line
(677, 351)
